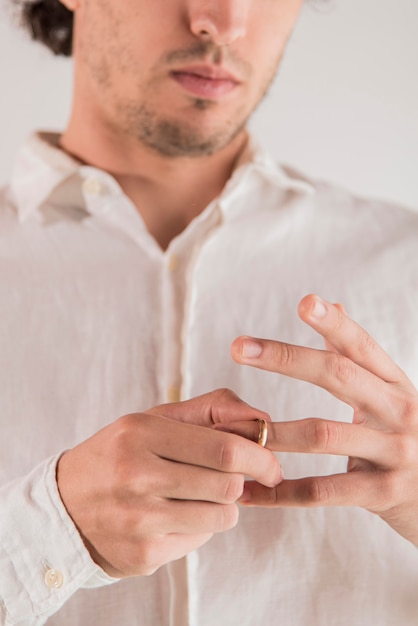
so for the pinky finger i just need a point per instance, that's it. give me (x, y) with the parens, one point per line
(365, 489)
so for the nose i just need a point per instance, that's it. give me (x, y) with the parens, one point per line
(221, 22)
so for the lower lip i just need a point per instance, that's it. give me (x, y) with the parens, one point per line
(204, 87)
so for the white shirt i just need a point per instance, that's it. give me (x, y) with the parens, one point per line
(97, 321)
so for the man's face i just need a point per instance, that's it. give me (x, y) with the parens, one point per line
(180, 76)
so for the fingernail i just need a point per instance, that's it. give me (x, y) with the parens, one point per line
(320, 309)
(251, 349)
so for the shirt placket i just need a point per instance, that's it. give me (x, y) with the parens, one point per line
(178, 260)
(173, 286)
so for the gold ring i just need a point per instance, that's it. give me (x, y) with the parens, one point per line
(262, 433)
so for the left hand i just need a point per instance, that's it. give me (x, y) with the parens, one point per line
(382, 440)
(151, 487)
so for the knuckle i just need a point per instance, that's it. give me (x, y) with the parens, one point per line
(128, 427)
(282, 353)
(342, 370)
(409, 410)
(273, 471)
(388, 490)
(233, 489)
(122, 450)
(366, 345)
(129, 422)
(318, 492)
(221, 401)
(229, 516)
(272, 497)
(148, 556)
(228, 456)
(321, 435)
(223, 393)
(406, 449)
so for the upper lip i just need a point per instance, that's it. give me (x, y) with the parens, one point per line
(207, 71)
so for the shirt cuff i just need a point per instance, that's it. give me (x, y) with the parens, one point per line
(43, 559)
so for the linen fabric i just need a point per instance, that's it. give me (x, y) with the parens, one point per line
(97, 321)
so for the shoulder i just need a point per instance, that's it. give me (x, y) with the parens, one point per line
(338, 211)
(339, 202)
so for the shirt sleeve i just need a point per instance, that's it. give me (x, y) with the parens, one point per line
(43, 560)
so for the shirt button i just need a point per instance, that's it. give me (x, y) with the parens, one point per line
(173, 394)
(54, 579)
(173, 263)
(92, 186)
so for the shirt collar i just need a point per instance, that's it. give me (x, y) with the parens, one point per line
(42, 168)
(255, 159)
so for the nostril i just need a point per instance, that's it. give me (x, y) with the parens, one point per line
(220, 29)
(204, 29)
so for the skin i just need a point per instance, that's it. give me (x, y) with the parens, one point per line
(171, 150)
(153, 486)
(381, 443)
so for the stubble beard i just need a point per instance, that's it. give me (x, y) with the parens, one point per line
(173, 137)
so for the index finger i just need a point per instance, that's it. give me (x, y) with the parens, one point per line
(205, 447)
(215, 407)
(334, 372)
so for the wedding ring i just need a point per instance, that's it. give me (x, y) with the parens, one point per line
(262, 432)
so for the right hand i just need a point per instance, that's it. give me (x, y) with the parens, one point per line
(151, 487)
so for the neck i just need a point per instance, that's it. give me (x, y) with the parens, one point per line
(167, 192)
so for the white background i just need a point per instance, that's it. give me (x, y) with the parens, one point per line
(344, 107)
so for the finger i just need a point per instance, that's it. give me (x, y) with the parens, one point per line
(328, 344)
(190, 482)
(334, 372)
(349, 339)
(185, 516)
(319, 436)
(363, 489)
(220, 406)
(205, 447)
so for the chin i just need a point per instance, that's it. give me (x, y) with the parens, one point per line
(174, 139)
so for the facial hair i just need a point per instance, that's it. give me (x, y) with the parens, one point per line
(172, 137)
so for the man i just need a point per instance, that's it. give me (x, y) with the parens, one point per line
(136, 247)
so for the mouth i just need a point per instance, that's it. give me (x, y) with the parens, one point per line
(206, 81)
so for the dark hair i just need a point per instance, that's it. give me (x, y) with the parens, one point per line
(49, 22)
